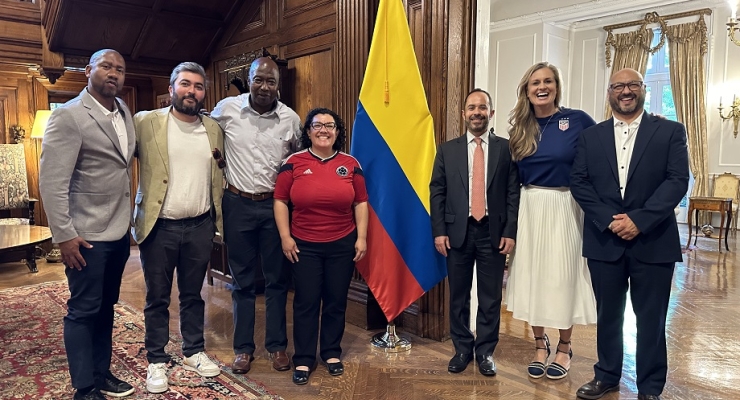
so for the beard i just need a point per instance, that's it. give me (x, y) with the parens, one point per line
(476, 129)
(178, 104)
(105, 90)
(638, 104)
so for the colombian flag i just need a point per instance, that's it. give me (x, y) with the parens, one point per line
(393, 139)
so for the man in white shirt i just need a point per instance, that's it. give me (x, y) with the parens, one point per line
(629, 174)
(260, 133)
(178, 210)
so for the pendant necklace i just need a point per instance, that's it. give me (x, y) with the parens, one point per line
(542, 129)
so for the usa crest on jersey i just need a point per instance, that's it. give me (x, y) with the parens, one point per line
(563, 124)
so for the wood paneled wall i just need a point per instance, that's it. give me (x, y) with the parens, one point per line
(326, 43)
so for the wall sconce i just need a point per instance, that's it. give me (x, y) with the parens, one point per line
(734, 113)
(732, 22)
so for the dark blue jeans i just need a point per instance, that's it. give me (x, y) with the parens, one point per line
(184, 244)
(88, 326)
(250, 234)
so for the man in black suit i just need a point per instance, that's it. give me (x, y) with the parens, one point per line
(629, 174)
(474, 205)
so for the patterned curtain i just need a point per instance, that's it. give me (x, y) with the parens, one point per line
(631, 50)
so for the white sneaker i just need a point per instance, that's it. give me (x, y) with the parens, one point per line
(156, 378)
(200, 363)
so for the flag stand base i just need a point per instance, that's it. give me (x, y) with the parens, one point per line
(389, 342)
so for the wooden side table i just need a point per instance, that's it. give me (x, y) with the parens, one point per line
(717, 204)
(23, 238)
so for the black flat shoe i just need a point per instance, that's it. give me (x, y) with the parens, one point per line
(641, 396)
(595, 390)
(300, 377)
(335, 368)
(459, 362)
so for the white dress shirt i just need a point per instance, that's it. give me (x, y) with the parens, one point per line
(624, 140)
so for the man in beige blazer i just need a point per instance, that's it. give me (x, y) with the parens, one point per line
(177, 214)
(85, 185)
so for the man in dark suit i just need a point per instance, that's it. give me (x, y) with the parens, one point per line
(629, 174)
(474, 195)
(85, 182)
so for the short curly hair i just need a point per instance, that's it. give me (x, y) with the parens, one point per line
(341, 130)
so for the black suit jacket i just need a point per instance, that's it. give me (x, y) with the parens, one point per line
(657, 180)
(450, 206)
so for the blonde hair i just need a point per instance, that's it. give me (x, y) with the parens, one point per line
(524, 131)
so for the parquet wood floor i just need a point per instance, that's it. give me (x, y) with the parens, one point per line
(704, 319)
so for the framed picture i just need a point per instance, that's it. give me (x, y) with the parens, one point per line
(163, 100)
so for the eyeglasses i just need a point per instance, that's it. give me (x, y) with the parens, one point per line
(633, 86)
(330, 126)
(219, 158)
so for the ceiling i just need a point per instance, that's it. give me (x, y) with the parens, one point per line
(152, 35)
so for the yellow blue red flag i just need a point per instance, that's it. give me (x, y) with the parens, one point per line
(393, 139)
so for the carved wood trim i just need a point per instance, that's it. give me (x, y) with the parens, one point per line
(355, 22)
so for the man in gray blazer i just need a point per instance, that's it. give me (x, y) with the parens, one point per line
(85, 185)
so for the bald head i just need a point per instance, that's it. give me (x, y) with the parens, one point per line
(263, 63)
(263, 84)
(626, 75)
(627, 94)
(100, 53)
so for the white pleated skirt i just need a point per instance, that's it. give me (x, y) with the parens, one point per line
(549, 283)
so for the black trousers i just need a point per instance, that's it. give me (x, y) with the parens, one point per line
(88, 325)
(321, 277)
(650, 291)
(250, 233)
(479, 249)
(185, 245)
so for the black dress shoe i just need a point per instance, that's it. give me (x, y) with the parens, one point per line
(595, 390)
(641, 396)
(335, 368)
(300, 377)
(459, 362)
(486, 365)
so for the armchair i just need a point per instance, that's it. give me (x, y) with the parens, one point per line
(727, 186)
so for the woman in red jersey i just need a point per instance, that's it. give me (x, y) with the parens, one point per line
(325, 237)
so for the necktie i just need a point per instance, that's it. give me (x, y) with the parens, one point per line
(478, 198)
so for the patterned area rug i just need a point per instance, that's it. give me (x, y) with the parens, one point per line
(33, 364)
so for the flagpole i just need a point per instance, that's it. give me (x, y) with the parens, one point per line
(389, 341)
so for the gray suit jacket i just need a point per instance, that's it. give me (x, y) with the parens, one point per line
(154, 165)
(85, 180)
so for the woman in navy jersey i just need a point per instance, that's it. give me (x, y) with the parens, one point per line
(324, 239)
(549, 283)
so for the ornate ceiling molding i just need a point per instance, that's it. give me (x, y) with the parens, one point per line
(597, 13)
